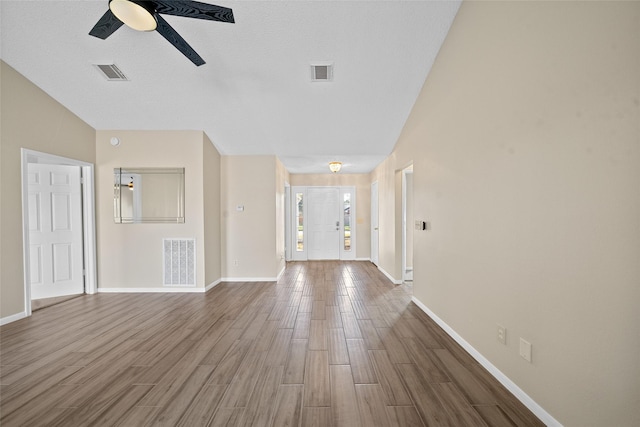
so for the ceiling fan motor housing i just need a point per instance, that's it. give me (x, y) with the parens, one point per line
(137, 14)
(145, 15)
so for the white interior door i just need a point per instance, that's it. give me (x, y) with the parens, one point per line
(374, 223)
(55, 230)
(323, 222)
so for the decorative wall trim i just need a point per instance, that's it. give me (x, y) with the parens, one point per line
(13, 318)
(390, 277)
(523, 397)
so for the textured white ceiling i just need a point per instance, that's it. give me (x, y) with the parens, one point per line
(254, 95)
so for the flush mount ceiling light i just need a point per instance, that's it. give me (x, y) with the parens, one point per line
(335, 166)
(138, 15)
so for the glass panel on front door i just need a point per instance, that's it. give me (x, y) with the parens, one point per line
(347, 221)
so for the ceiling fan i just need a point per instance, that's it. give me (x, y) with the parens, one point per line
(144, 15)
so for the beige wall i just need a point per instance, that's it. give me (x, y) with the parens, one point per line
(249, 236)
(362, 182)
(30, 119)
(130, 255)
(212, 233)
(526, 150)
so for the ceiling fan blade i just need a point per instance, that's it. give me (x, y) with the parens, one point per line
(106, 26)
(194, 9)
(175, 39)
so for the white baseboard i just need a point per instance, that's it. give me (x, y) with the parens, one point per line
(523, 397)
(13, 318)
(390, 277)
(281, 273)
(151, 290)
(249, 279)
(363, 259)
(212, 285)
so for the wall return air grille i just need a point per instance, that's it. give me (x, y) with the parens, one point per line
(179, 262)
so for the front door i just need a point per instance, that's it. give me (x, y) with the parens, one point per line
(55, 230)
(324, 222)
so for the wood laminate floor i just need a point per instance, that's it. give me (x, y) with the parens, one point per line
(330, 344)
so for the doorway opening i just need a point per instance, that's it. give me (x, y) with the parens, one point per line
(48, 214)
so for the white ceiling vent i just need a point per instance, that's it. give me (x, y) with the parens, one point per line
(322, 72)
(111, 72)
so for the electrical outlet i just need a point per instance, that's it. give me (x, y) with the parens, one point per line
(502, 334)
(525, 350)
(236, 263)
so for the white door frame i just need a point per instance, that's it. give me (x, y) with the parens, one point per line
(287, 222)
(405, 275)
(374, 226)
(88, 218)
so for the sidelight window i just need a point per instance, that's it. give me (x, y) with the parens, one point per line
(346, 208)
(299, 222)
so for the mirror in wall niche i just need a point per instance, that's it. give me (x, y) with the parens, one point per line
(148, 195)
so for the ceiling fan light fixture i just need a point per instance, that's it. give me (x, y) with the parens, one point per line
(335, 166)
(138, 15)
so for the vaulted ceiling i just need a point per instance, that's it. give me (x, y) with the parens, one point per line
(254, 95)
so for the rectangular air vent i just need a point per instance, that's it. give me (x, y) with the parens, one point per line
(321, 72)
(111, 72)
(179, 262)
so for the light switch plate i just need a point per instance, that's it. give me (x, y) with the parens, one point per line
(502, 334)
(525, 350)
